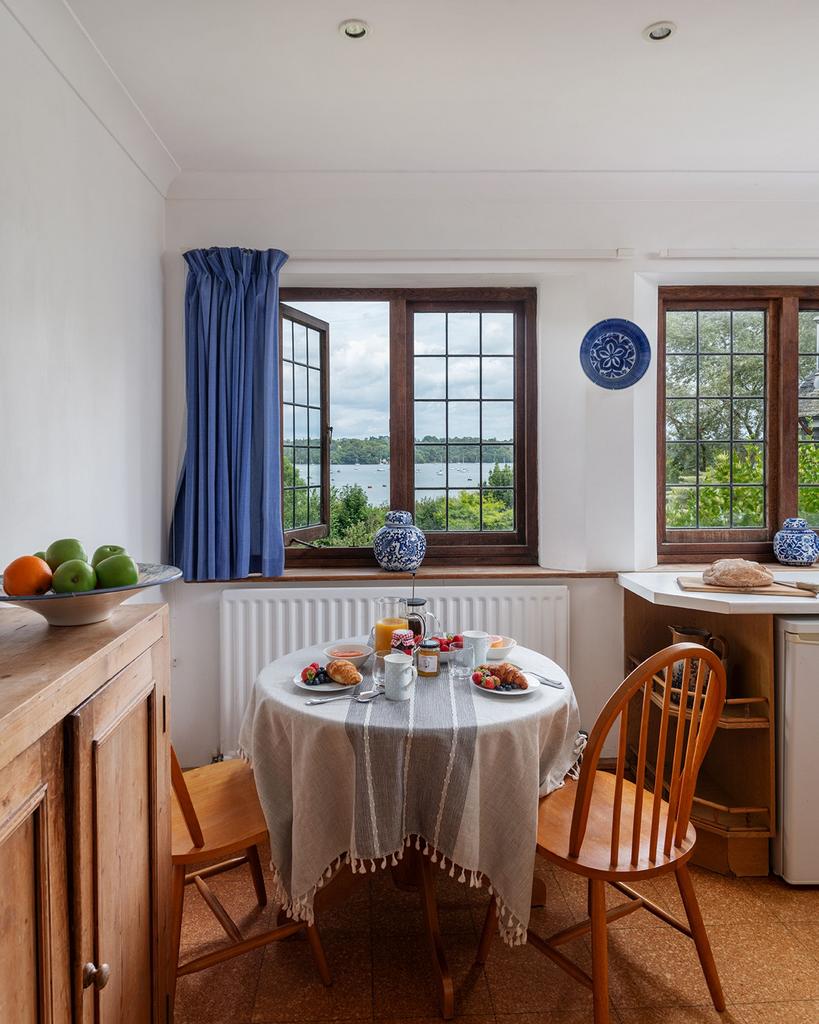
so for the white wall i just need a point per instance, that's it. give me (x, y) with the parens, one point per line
(596, 447)
(81, 236)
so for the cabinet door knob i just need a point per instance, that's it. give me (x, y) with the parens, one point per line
(96, 976)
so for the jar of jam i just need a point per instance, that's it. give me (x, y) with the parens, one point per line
(403, 642)
(429, 657)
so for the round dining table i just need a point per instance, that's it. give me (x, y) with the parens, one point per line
(449, 779)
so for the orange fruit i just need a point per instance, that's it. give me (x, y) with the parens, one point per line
(26, 576)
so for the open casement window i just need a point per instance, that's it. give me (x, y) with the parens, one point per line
(737, 418)
(305, 426)
(445, 394)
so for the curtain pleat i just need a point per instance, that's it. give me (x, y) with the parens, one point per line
(227, 519)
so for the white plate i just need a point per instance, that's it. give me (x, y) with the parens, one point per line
(318, 687)
(530, 679)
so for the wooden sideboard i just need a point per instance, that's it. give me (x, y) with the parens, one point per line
(84, 819)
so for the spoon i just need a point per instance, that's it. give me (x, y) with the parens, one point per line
(363, 697)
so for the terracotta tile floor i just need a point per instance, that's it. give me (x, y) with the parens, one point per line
(765, 937)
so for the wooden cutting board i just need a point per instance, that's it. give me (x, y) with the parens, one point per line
(695, 584)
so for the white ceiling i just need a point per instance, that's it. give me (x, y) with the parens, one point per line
(268, 85)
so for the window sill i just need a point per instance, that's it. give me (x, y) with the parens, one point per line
(438, 572)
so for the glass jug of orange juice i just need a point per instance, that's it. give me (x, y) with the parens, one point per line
(388, 618)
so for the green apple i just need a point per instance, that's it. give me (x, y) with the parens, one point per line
(63, 551)
(40, 554)
(106, 551)
(117, 571)
(73, 577)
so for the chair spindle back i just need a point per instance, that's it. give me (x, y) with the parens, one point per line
(183, 796)
(701, 694)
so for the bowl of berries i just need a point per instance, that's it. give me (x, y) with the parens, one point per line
(503, 679)
(445, 642)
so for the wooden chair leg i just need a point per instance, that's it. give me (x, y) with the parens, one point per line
(490, 925)
(256, 874)
(700, 936)
(177, 907)
(600, 953)
(317, 950)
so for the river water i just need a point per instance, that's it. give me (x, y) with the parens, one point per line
(375, 480)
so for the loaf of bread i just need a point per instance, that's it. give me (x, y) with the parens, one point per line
(737, 573)
(344, 673)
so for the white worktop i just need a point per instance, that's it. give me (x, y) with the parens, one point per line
(662, 588)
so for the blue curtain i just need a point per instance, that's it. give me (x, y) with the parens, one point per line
(227, 520)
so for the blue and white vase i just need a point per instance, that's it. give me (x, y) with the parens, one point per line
(399, 545)
(796, 543)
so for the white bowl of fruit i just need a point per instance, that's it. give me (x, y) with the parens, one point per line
(445, 642)
(500, 647)
(69, 588)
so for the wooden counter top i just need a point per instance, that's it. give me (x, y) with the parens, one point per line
(494, 573)
(48, 671)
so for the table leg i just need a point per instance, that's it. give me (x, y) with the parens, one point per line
(446, 993)
(538, 892)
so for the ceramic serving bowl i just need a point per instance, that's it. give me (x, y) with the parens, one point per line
(348, 650)
(501, 647)
(92, 605)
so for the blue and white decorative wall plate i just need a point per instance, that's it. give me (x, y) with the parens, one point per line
(615, 353)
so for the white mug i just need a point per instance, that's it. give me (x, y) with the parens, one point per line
(399, 676)
(478, 641)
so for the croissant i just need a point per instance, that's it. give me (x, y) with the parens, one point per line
(344, 673)
(508, 673)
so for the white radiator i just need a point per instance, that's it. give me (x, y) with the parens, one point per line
(258, 625)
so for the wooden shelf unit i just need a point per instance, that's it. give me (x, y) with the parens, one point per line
(734, 806)
(736, 713)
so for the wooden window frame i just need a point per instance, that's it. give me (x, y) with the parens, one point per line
(782, 306)
(314, 532)
(518, 547)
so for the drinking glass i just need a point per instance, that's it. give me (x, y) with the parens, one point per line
(460, 662)
(378, 666)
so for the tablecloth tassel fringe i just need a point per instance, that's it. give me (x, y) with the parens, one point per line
(443, 863)
(462, 876)
(579, 746)
(452, 869)
(394, 860)
(417, 842)
(434, 857)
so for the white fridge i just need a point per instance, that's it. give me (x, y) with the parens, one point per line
(796, 846)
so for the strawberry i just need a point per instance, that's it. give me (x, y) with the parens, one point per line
(477, 677)
(489, 682)
(308, 674)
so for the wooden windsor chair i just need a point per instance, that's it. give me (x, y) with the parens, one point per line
(218, 825)
(611, 830)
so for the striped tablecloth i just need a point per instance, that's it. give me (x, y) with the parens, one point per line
(454, 770)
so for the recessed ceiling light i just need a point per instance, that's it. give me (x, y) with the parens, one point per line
(354, 28)
(659, 30)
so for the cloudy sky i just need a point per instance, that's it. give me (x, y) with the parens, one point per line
(359, 371)
(359, 365)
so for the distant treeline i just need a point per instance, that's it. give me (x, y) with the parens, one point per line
(347, 451)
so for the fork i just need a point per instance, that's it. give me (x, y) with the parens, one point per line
(363, 697)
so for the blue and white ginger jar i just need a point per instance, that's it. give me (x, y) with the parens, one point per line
(796, 543)
(399, 545)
